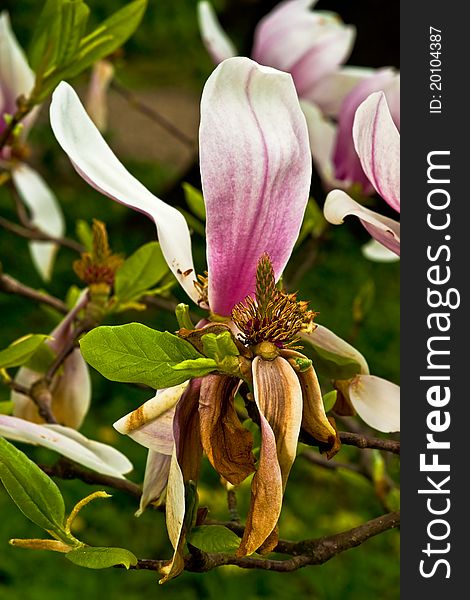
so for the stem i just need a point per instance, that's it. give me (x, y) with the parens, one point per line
(31, 232)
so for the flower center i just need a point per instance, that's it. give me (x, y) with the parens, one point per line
(272, 316)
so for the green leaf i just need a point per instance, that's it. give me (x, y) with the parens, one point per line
(218, 346)
(183, 317)
(196, 368)
(195, 201)
(20, 351)
(42, 359)
(134, 353)
(101, 558)
(35, 494)
(140, 272)
(332, 365)
(43, 47)
(6, 408)
(193, 223)
(214, 538)
(329, 400)
(73, 23)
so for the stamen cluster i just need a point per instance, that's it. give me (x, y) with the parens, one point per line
(272, 315)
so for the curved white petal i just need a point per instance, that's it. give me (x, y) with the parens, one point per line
(16, 76)
(45, 214)
(374, 251)
(95, 162)
(377, 402)
(326, 339)
(215, 39)
(377, 144)
(338, 205)
(151, 425)
(68, 442)
(157, 470)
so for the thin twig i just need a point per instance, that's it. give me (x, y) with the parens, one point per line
(10, 285)
(363, 441)
(31, 232)
(152, 114)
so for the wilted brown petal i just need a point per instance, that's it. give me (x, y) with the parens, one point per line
(314, 419)
(226, 442)
(184, 467)
(279, 399)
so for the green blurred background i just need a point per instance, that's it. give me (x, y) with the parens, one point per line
(166, 65)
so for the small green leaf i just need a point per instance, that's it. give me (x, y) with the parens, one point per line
(74, 18)
(140, 272)
(219, 346)
(195, 201)
(35, 494)
(101, 558)
(42, 359)
(329, 400)
(214, 538)
(43, 47)
(332, 365)
(196, 368)
(183, 317)
(134, 353)
(20, 351)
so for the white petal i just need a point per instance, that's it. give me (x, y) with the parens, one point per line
(95, 162)
(71, 444)
(377, 402)
(16, 77)
(326, 339)
(155, 480)
(329, 93)
(338, 205)
(374, 251)
(45, 214)
(215, 39)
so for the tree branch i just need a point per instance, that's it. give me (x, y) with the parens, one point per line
(10, 285)
(363, 441)
(31, 232)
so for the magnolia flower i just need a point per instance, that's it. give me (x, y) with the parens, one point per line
(377, 144)
(70, 387)
(310, 45)
(332, 144)
(17, 79)
(255, 170)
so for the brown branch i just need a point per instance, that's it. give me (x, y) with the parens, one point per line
(363, 441)
(305, 553)
(10, 285)
(31, 232)
(153, 115)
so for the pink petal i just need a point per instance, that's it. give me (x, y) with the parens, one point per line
(338, 205)
(377, 402)
(377, 143)
(348, 166)
(255, 170)
(95, 162)
(214, 37)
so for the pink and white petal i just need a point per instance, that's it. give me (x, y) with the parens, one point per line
(255, 170)
(16, 76)
(151, 425)
(286, 33)
(331, 50)
(95, 162)
(329, 93)
(377, 144)
(157, 470)
(68, 442)
(327, 340)
(338, 205)
(377, 402)
(378, 253)
(45, 214)
(216, 41)
(322, 136)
